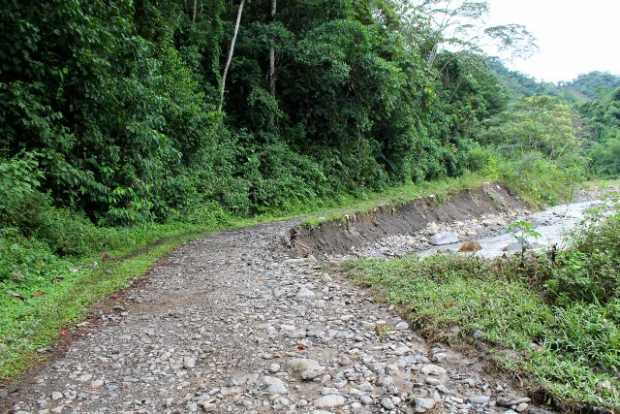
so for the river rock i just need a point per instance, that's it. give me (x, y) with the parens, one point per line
(330, 401)
(305, 369)
(444, 238)
(423, 405)
(273, 385)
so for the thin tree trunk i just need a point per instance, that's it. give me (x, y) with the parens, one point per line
(231, 52)
(195, 11)
(272, 54)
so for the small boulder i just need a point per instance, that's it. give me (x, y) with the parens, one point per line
(470, 247)
(305, 369)
(423, 405)
(273, 386)
(444, 238)
(330, 401)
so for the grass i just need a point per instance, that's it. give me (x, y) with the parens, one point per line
(38, 322)
(557, 324)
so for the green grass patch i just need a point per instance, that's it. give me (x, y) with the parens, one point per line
(559, 319)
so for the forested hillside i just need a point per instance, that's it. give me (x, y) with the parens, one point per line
(583, 89)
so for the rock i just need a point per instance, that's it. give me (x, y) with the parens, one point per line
(189, 362)
(273, 386)
(366, 399)
(304, 293)
(402, 326)
(479, 400)
(388, 404)
(432, 381)
(330, 401)
(207, 406)
(305, 369)
(432, 228)
(273, 368)
(470, 247)
(521, 407)
(509, 401)
(444, 238)
(56, 396)
(423, 405)
(434, 370)
(293, 332)
(96, 384)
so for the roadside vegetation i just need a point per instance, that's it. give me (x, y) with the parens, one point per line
(127, 129)
(552, 319)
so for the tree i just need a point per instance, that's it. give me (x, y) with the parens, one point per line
(536, 124)
(272, 54)
(231, 52)
(459, 25)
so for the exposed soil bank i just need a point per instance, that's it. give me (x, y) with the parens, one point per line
(340, 236)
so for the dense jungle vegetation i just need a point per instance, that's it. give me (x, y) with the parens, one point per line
(124, 123)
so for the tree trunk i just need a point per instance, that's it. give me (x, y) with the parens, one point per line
(194, 11)
(231, 52)
(272, 54)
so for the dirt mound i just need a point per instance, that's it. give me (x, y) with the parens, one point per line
(339, 236)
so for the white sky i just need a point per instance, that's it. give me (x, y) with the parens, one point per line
(574, 36)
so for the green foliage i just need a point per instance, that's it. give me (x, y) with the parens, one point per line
(606, 156)
(590, 86)
(589, 272)
(118, 104)
(541, 181)
(21, 203)
(583, 90)
(523, 231)
(541, 124)
(603, 120)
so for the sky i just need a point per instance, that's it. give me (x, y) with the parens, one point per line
(574, 36)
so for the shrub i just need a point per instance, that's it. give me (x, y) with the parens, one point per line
(605, 156)
(21, 204)
(542, 181)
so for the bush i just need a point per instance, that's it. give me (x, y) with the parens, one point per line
(542, 181)
(589, 272)
(605, 156)
(21, 203)
(26, 262)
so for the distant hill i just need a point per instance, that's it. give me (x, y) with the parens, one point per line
(519, 84)
(593, 85)
(585, 88)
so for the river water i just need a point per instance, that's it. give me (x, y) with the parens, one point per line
(554, 225)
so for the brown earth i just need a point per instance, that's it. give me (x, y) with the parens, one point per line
(339, 236)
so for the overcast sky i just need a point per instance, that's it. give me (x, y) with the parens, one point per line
(575, 36)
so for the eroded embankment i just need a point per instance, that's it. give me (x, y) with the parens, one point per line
(353, 231)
